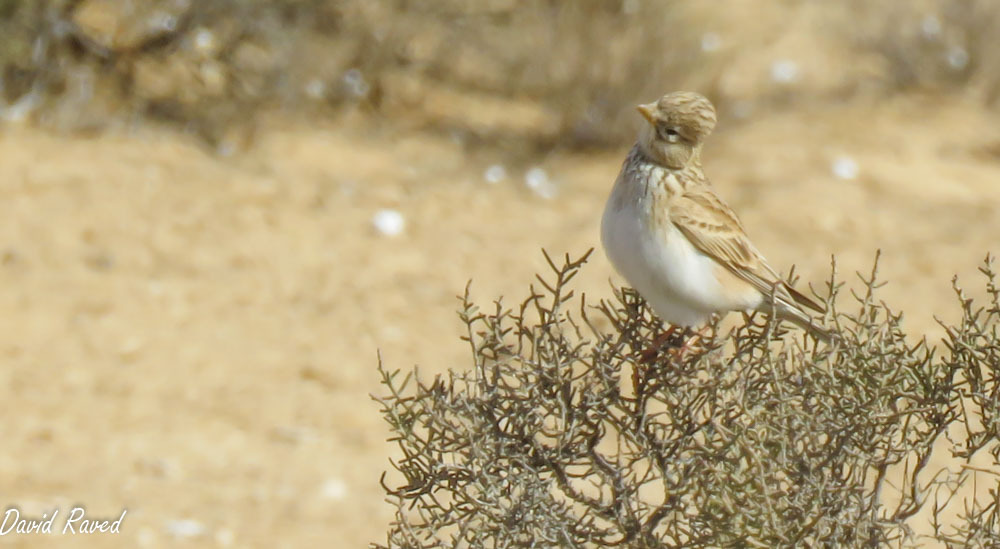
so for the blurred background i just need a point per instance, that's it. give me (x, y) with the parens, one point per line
(214, 213)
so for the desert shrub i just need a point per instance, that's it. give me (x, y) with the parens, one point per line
(201, 66)
(566, 67)
(570, 428)
(580, 61)
(936, 45)
(533, 74)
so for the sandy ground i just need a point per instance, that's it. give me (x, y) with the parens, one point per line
(194, 338)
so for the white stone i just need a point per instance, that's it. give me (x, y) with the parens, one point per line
(784, 71)
(844, 167)
(958, 58)
(145, 537)
(930, 26)
(495, 174)
(185, 528)
(204, 42)
(710, 42)
(225, 537)
(538, 181)
(315, 89)
(334, 489)
(389, 222)
(355, 83)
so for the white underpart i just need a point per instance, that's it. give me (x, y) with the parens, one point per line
(675, 278)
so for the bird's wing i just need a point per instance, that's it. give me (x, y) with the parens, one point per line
(715, 230)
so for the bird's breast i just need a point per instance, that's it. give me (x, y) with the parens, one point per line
(680, 282)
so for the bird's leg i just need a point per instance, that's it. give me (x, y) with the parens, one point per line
(692, 340)
(648, 357)
(664, 337)
(659, 342)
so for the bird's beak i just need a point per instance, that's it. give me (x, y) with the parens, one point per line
(647, 111)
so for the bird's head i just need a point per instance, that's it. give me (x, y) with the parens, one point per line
(677, 125)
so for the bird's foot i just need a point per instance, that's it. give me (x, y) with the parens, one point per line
(692, 340)
(665, 340)
(677, 342)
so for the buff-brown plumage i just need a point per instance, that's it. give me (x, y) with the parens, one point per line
(671, 236)
(691, 112)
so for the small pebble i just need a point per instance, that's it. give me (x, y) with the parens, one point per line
(334, 489)
(130, 348)
(204, 42)
(958, 58)
(145, 537)
(495, 174)
(930, 26)
(785, 71)
(163, 21)
(355, 83)
(292, 434)
(389, 222)
(315, 89)
(225, 537)
(21, 109)
(844, 167)
(710, 42)
(538, 181)
(185, 528)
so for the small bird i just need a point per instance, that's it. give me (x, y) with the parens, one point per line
(675, 241)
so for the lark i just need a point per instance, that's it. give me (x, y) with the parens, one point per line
(675, 241)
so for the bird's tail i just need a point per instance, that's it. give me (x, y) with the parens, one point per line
(790, 304)
(797, 316)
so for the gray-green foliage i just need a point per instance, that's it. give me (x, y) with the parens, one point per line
(756, 438)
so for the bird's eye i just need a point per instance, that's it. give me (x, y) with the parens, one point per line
(668, 134)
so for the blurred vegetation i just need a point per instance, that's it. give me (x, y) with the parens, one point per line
(947, 44)
(541, 72)
(564, 434)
